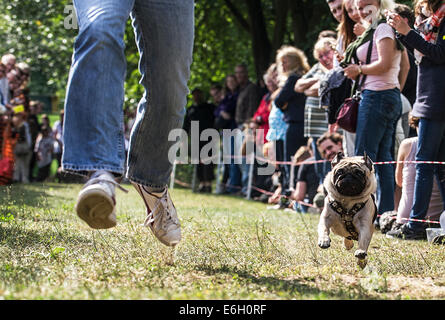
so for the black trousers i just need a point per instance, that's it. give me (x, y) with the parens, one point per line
(294, 140)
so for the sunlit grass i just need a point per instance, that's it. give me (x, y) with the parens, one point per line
(231, 249)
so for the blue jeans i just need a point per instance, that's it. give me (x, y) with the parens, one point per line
(430, 147)
(93, 131)
(378, 114)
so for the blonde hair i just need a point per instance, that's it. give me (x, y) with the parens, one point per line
(324, 44)
(269, 73)
(298, 61)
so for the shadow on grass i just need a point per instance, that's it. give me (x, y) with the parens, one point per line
(292, 287)
(17, 237)
(33, 194)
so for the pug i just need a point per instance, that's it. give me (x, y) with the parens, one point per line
(349, 207)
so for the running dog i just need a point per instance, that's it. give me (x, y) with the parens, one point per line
(349, 207)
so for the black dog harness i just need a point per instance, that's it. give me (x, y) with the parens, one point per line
(348, 215)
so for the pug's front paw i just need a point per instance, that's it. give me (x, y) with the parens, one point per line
(324, 243)
(360, 254)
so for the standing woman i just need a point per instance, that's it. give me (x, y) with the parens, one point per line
(429, 45)
(380, 106)
(225, 119)
(292, 65)
(349, 29)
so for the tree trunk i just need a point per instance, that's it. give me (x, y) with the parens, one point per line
(261, 46)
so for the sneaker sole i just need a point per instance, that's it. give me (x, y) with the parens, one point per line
(96, 208)
(168, 244)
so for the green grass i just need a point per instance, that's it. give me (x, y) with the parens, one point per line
(231, 249)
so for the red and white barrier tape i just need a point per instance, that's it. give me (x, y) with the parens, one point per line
(318, 161)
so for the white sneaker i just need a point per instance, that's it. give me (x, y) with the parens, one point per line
(162, 218)
(96, 202)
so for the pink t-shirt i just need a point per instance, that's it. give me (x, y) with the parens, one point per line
(389, 79)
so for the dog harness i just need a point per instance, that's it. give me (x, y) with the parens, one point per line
(348, 215)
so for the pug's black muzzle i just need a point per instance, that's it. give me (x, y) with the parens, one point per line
(350, 185)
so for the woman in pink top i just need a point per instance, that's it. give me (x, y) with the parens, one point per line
(380, 106)
(406, 177)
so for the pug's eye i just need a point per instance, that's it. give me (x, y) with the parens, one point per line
(358, 172)
(340, 172)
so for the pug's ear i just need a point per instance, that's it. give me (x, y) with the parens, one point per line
(368, 162)
(337, 159)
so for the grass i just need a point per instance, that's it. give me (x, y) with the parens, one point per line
(231, 249)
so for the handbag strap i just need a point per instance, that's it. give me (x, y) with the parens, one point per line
(358, 89)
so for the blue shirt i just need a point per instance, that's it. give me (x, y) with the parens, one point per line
(277, 126)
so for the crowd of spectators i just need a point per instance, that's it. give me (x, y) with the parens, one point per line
(392, 109)
(28, 145)
(398, 60)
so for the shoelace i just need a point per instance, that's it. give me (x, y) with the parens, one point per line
(108, 180)
(163, 205)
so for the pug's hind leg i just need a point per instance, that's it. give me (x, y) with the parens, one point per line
(349, 244)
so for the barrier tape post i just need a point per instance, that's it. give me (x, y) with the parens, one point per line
(219, 173)
(194, 176)
(292, 174)
(249, 184)
(172, 176)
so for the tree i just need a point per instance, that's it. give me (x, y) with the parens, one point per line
(271, 23)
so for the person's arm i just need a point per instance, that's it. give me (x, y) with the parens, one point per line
(304, 84)
(313, 90)
(404, 69)
(435, 52)
(404, 149)
(386, 50)
(300, 191)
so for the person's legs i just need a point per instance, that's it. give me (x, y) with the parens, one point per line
(164, 34)
(428, 150)
(93, 126)
(294, 140)
(320, 167)
(378, 113)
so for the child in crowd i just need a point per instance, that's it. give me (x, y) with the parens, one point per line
(44, 149)
(22, 150)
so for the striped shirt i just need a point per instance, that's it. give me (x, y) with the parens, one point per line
(315, 118)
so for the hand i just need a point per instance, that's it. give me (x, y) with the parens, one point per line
(253, 125)
(333, 127)
(359, 29)
(352, 71)
(225, 115)
(398, 23)
(338, 56)
(275, 94)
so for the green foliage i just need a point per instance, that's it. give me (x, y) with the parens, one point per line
(34, 31)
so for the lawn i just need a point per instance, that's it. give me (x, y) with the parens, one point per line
(231, 249)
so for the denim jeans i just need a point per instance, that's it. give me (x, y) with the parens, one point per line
(378, 114)
(430, 147)
(93, 131)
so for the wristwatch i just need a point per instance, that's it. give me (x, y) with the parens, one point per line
(360, 69)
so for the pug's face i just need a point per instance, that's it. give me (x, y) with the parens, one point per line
(350, 176)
